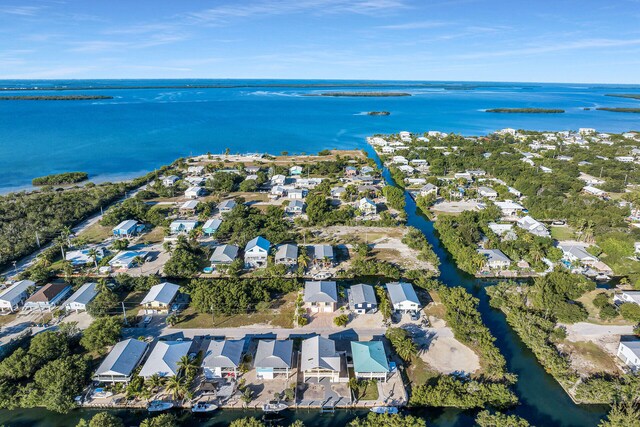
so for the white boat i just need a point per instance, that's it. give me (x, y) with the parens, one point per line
(201, 407)
(384, 410)
(274, 407)
(159, 406)
(603, 278)
(101, 393)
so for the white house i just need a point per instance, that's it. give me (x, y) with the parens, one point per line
(278, 180)
(488, 193)
(625, 159)
(367, 206)
(629, 352)
(79, 299)
(195, 170)
(181, 226)
(594, 191)
(295, 207)
(224, 254)
(573, 253)
(256, 252)
(47, 297)
(126, 259)
(121, 361)
(495, 258)
(546, 169)
(227, 206)
(295, 170)
(168, 181)
(429, 189)
(189, 207)
(320, 359)
(509, 208)
(533, 226)
(12, 297)
(194, 192)
(163, 359)
(273, 357)
(500, 229)
(627, 296)
(222, 358)
(296, 193)
(287, 254)
(403, 297)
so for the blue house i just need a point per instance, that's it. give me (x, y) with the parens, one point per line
(256, 252)
(126, 228)
(211, 226)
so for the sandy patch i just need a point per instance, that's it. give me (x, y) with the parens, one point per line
(445, 353)
(455, 207)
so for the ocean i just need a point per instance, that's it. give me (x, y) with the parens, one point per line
(143, 128)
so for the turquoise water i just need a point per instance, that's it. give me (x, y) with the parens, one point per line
(141, 129)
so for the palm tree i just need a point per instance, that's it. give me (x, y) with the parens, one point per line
(187, 365)
(93, 253)
(139, 261)
(406, 349)
(154, 382)
(303, 259)
(66, 233)
(177, 388)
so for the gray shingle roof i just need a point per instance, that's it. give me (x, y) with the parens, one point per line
(84, 294)
(224, 253)
(320, 292)
(362, 294)
(287, 251)
(274, 354)
(223, 354)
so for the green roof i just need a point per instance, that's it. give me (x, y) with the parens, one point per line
(369, 357)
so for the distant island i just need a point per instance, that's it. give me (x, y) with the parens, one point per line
(378, 113)
(54, 97)
(360, 94)
(61, 178)
(619, 110)
(624, 95)
(526, 110)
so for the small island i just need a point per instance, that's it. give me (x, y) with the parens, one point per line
(60, 178)
(360, 94)
(378, 113)
(54, 97)
(624, 95)
(619, 110)
(526, 110)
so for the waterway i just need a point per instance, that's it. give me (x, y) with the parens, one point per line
(542, 401)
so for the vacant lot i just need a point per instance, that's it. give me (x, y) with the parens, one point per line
(455, 207)
(562, 233)
(588, 358)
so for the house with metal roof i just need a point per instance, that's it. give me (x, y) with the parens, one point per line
(428, 189)
(168, 181)
(163, 359)
(627, 296)
(322, 254)
(320, 297)
(367, 206)
(14, 296)
(533, 226)
(362, 299)
(487, 192)
(194, 192)
(273, 357)
(47, 297)
(256, 252)
(182, 226)
(403, 297)
(126, 259)
(126, 228)
(287, 254)
(222, 358)
(494, 258)
(160, 297)
(189, 207)
(577, 253)
(295, 207)
(79, 299)
(227, 206)
(211, 226)
(370, 360)
(224, 254)
(509, 208)
(82, 257)
(319, 359)
(629, 352)
(121, 361)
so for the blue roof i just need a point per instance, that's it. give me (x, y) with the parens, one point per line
(260, 242)
(369, 357)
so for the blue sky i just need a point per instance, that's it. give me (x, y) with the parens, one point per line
(477, 40)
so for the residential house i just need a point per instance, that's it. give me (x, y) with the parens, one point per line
(227, 206)
(126, 228)
(495, 259)
(295, 207)
(367, 206)
(287, 254)
(590, 180)
(273, 357)
(256, 252)
(160, 297)
(296, 193)
(594, 191)
(632, 297)
(514, 191)
(168, 181)
(336, 192)
(211, 226)
(322, 255)
(546, 169)
(403, 297)
(629, 352)
(182, 226)
(370, 360)
(362, 299)
(278, 180)
(406, 169)
(321, 297)
(12, 297)
(195, 170)
(79, 299)
(82, 257)
(509, 208)
(189, 207)
(625, 159)
(47, 297)
(533, 226)
(500, 229)
(295, 170)
(224, 254)
(121, 362)
(399, 160)
(463, 175)
(252, 169)
(405, 136)
(278, 190)
(163, 359)
(320, 360)
(127, 259)
(366, 170)
(488, 192)
(575, 253)
(194, 192)
(222, 358)
(429, 189)
(350, 171)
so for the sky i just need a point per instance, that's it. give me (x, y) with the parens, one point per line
(581, 41)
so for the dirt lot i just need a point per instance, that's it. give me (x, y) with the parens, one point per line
(445, 353)
(455, 207)
(605, 337)
(588, 358)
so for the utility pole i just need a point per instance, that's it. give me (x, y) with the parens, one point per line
(124, 313)
(37, 239)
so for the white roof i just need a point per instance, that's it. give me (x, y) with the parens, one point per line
(319, 352)
(123, 358)
(126, 225)
(164, 358)
(84, 294)
(402, 291)
(191, 204)
(212, 223)
(223, 354)
(16, 290)
(163, 293)
(508, 205)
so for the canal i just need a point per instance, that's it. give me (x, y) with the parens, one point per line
(542, 401)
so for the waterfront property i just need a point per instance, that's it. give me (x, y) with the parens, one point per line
(273, 357)
(629, 352)
(319, 359)
(222, 358)
(79, 299)
(627, 296)
(224, 254)
(169, 181)
(14, 296)
(47, 297)
(362, 299)
(321, 297)
(367, 206)
(160, 297)
(403, 297)
(127, 228)
(322, 255)
(121, 361)
(256, 253)
(370, 360)
(494, 259)
(163, 359)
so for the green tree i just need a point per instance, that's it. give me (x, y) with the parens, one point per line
(486, 419)
(105, 419)
(622, 414)
(246, 422)
(162, 420)
(341, 320)
(104, 331)
(388, 420)
(630, 311)
(57, 383)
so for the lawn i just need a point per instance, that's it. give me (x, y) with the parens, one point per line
(96, 233)
(154, 236)
(7, 318)
(132, 303)
(368, 390)
(562, 233)
(594, 313)
(419, 372)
